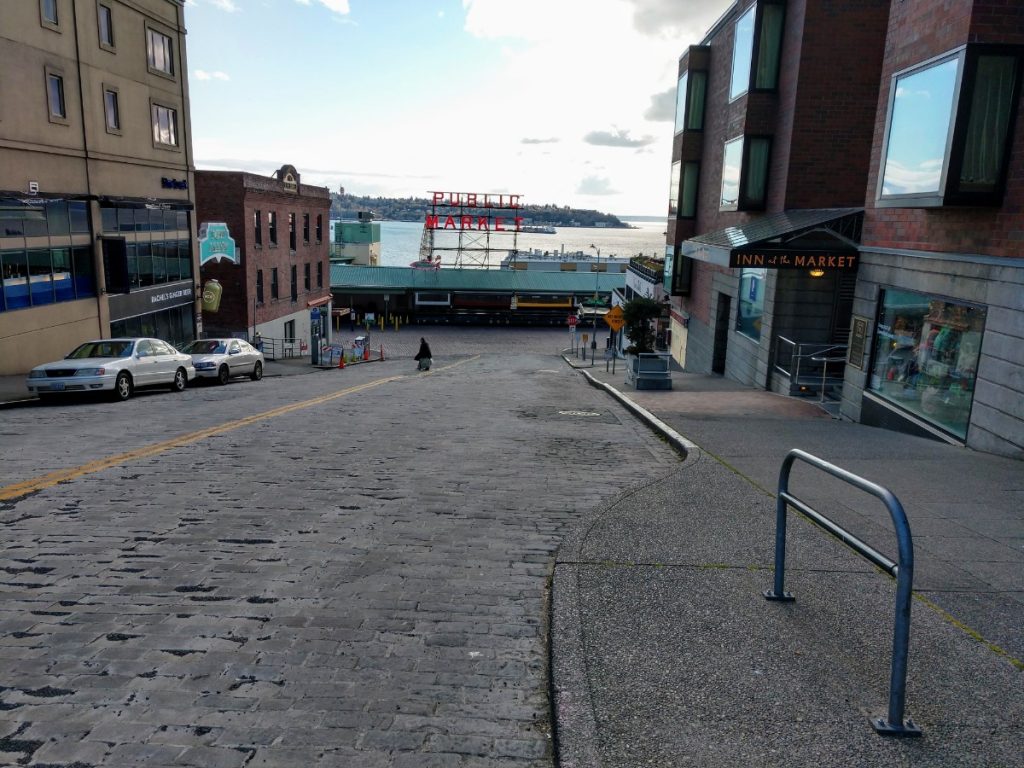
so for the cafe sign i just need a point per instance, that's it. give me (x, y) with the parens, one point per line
(837, 261)
(215, 242)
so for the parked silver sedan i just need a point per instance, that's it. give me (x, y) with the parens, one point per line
(222, 359)
(119, 366)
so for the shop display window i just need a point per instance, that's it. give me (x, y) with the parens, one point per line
(926, 357)
(751, 302)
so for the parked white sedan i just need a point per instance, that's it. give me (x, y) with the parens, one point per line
(119, 366)
(221, 359)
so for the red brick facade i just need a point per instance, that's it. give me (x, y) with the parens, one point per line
(234, 198)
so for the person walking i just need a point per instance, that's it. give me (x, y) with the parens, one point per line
(424, 356)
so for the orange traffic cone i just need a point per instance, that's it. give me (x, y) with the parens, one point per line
(366, 353)
(341, 360)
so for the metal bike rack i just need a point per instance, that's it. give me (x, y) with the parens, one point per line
(893, 724)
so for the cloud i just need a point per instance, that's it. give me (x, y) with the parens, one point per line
(202, 74)
(616, 139)
(595, 185)
(552, 140)
(663, 107)
(225, 5)
(337, 6)
(686, 20)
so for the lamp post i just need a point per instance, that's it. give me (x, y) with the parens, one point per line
(597, 285)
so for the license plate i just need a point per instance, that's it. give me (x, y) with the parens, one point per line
(57, 386)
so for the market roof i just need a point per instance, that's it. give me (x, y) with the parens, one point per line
(808, 227)
(358, 278)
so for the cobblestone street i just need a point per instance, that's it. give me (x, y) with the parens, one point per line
(355, 574)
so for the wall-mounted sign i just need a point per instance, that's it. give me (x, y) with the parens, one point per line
(212, 291)
(858, 341)
(215, 242)
(155, 299)
(167, 183)
(785, 259)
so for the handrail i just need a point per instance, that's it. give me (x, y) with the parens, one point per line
(903, 570)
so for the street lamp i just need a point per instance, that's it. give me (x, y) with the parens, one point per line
(597, 285)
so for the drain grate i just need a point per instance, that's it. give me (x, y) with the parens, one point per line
(578, 413)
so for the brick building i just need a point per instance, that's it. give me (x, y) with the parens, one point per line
(267, 270)
(858, 233)
(96, 227)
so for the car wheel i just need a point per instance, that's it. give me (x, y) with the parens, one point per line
(180, 381)
(223, 374)
(257, 371)
(123, 386)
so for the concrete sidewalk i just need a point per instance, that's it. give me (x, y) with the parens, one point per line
(665, 653)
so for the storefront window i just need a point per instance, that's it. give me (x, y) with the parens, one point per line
(926, 357)
(751, 303)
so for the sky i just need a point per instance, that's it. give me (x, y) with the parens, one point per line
(568, 102)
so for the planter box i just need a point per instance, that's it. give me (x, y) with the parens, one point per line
(649, 371)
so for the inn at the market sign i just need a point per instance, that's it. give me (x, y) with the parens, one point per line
(769, 258)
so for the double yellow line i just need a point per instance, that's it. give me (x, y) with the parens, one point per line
(17, 490)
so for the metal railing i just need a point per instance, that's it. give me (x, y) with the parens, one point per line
(903, 570)
(278, 349)
(806, 365)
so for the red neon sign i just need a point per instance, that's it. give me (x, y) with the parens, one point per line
(475, 200)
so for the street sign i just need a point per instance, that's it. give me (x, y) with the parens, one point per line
(614, 318)
(573, 320)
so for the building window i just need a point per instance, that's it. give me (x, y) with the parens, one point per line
(105, 20)
(159, 52)
(678, 272)
(257, 227)
(690, 95)
(926, 355)
(56, 103)
(291, 231)
(305, 228)
(688, 191)
(289, 330)
(308, 275)
(757, 47)
(272, 228)
(274, 288)
(295, 282)
(745, 173)
(111, 110)
(319, 274)
(751, 302)
(48, 14)
(259, 286)
(949, 128)
(319, 228)
(673, 190)
(165, 125)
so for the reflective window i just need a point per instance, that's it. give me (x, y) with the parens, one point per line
(926, 357)
(769, 45)
(48, 11)
(688, 191)
(257, 226)
(165, 125)
(272, 227)
(991, 111)
(919, 130)
(106, 26)
(681, 103)
(732, 165)
(695, 101)
(751, 302)
(742, 53)
(673, 191)
(745, 173)
(111, 110)
(159, 52)
(55, 96)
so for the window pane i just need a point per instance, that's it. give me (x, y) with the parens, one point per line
(85, 275)
(110, 107)
(991, 110)
(695, 108)
(15, 279)
(732, 162)
(920, 123)
(79, 217)
(40, 276)
(50, 11)
(144, 253)
(57, 221)
(769, 46)
(55, 93)
(681, 103)
(106, 26)
(673, 191)
(751, 303)
(126, 219)
(688, 195)
(926, 357)
(742, 50)
(756, 172)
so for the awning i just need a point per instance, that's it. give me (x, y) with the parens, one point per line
(318, 302)
(796, 239)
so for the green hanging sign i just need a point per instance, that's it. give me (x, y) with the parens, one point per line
(215, 242)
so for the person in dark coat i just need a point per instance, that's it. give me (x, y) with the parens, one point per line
(424, 356)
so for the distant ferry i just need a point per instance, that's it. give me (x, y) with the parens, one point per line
(538, 229)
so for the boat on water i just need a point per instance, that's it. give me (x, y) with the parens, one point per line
(537, 229)
(563, 261)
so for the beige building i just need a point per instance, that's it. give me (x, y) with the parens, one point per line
(97, 230)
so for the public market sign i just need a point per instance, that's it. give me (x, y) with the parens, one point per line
(215, 242)
(479, 211)
(841, 261)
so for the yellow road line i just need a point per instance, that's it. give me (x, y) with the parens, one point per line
(51, 479)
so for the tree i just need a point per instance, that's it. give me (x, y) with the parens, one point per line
(638, 314)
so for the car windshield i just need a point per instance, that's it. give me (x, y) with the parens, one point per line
(101, 349)
(204, 347)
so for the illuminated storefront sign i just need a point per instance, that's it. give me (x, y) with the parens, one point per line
(840, 262)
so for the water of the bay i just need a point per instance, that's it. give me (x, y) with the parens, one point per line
(400, 242)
